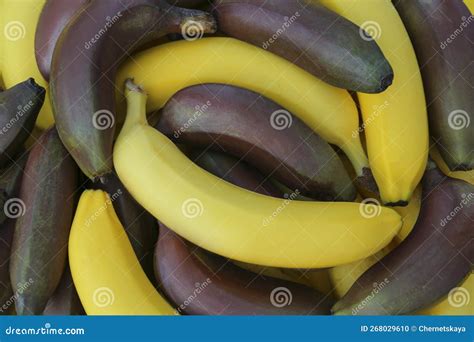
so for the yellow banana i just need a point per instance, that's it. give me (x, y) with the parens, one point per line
(232, 221)
(168, 68)
(105, 270)
(344, 276)
(395, 121)
(458, 302)
(18, 60)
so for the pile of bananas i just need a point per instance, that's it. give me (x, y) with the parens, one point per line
(249, 157)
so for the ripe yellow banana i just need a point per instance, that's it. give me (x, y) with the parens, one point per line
(235, 222)
(168, 68)
(104, 267)
(344, 276)
(458, 302)
(18, 49)
(395, 121)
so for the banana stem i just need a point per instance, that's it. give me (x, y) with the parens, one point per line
(136, 105)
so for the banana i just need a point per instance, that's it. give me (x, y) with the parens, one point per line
(203, 283)
(54, 16)
(104, 267)
(436, 257)
(44, 209)
(327, 110)
(467, 176)
(458, 301)
(448, 75)
(344, 276)
(18, 31)
(330, 47)
(104, 33)
(140, 226)
(19, 108)
(197, 205)
(65, 300)
(395, 121)
(257, 130)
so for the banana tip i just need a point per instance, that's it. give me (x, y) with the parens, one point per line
(386, 82)
(401, 203)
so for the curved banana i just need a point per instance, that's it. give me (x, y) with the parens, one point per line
(105, 270)
(235, 222)
(395, 121)
(168, 68)
(18, 48)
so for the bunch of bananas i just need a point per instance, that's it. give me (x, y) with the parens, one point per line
(314, 157)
